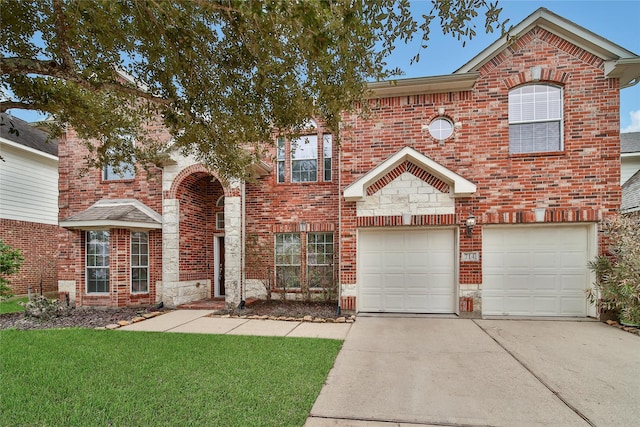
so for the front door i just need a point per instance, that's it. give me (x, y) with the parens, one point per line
(218, 279)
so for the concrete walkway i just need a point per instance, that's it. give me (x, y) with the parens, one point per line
(198, 322)
(427, 371)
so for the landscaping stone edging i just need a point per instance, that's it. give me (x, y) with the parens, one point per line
(137, 319)
(310, 319)
(629, 329)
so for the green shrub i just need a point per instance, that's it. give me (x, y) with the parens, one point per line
(10, 262)
(617, 285)
(44, 308)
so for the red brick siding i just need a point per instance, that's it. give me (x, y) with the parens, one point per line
(273, 207)
(77, 192)
(39, 247)
(197, 195)
(578, 184)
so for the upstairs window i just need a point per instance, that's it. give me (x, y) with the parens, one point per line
(304, 159)
(327, 146)
(121, 170)
(535, 119)
(280, 159)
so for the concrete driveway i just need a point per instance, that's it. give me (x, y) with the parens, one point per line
(431, 371)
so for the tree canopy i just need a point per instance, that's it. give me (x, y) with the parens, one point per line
(220, 75)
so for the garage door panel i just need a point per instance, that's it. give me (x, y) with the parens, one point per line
(415, 271)
(535, 271)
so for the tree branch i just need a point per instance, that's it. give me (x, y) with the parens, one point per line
(25, 66)
(7, 105)
(61, 32)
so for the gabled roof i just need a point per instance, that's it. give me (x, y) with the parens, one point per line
(26, 135)
(630, 142)
(631, 194)
(115, 213)
(460, 187)
(620, 62)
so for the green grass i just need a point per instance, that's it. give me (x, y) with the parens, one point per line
(12, 306)
(81, 377)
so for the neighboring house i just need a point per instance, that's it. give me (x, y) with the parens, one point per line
(522, 143)
(629, 155)
(630, 172)
(29, 203)
(631, 195)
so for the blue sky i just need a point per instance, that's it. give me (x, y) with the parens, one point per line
(617, 21)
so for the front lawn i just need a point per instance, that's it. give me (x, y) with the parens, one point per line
(81, 377)
(11, 306)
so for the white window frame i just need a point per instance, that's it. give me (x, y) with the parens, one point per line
(127, 170)
(101, 259)
(316, 258)
(280, 160)
(138, 260)
(327, 154)
(287, 255)
(304, 150)
(441, 128)
(539, 110)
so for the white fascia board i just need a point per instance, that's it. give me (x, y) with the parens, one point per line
(627, 70)
(422, 85)
(634, 154)
(28, 149)
(460, 186)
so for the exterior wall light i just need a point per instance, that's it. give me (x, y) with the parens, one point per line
(469, 224)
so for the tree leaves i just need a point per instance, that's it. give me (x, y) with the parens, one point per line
(221, 76)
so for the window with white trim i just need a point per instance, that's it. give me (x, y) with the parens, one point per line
(320, 260)
(440, 128)
(220, 215)
(287, 257)
(121, 170)
(97, 261)
(139, 262)
(327, 148)
(280, 155)
(304, 159)
(535, 119)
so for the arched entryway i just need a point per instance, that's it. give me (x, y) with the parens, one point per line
(200, 237)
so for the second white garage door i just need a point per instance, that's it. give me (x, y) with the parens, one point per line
(535, 270)
(406, 271)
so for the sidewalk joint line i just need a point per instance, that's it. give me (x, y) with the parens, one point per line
(524, 365)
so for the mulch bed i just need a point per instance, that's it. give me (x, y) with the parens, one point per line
(93, 317)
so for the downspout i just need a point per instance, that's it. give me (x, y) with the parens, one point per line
(243, 290)
(339, 308)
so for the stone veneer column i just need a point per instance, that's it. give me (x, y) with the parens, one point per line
(232, 249)
(170, 250)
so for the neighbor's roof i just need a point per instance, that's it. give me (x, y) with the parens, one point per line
(631, 194)
(630, 142)
(26, 135)
(123, 213)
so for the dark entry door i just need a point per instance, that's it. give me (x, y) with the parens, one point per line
(221, 266)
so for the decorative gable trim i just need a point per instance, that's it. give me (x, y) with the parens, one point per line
(621, 63)
(416, 171)
(458, 186)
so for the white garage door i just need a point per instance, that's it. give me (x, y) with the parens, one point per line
(406, 271)
(535, 271)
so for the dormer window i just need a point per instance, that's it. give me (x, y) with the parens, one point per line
(535, 119)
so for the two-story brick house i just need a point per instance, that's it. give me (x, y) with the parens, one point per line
(481, 190)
